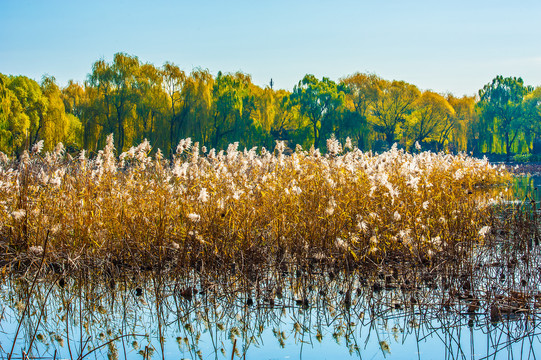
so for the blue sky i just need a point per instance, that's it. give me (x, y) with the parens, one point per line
(451, 46)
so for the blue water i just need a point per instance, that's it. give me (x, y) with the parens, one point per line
(207, 327)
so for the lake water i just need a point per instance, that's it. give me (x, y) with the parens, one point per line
(528, 187)
(129, 322)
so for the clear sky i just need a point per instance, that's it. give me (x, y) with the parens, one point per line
(446, 46)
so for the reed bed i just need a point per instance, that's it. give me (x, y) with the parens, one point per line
(242, 210)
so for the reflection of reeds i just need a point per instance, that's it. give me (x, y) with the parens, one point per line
(243, 210)
(494, 290)
(371, 315)
(28, 299)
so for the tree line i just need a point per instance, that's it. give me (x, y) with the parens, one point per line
(137, 101)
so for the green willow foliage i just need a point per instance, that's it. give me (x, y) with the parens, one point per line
(137, 101)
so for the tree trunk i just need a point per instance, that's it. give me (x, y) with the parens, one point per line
(507, 145)
(171, 136)
(389, 137)
(316, 135)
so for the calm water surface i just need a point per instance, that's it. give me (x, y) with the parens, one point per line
(97, 322)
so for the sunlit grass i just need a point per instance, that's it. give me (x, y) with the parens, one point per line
(248, 207)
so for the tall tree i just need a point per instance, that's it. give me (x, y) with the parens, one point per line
(317, 99)
(74, 98)
(394, 102)
(100, 93)
(462, 126)
(198, 103)
(431, 120)
(124, 77)
(228, 95)
(33, 103)
(174, 80)
(150, 106)
(285, 120)
(5, 111)
(14, 122)
(361, 96)
(532, 126)
(501, 104)
(77, 104)
(115, 83)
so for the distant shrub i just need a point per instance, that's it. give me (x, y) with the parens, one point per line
(525, 158)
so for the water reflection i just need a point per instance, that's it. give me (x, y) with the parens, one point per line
(313, 316)
(527, 187)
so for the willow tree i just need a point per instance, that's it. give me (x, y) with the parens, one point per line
(532, 126)
(463, 127)
(173, 80)
(54, 121)
(228, 95)
(197, 107)
(256, 110)
(124, 70)
(361, 94)
(267, 102)
(14, 122)
(317, 100)
(5, 111)
(115, 84)
(394, 103)
(150, 107)
(285, 122)
(501, 105)
(100, 91)
(431, 120)
(33, 103)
